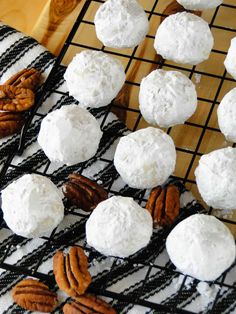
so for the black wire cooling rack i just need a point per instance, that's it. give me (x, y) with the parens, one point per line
(130, 58)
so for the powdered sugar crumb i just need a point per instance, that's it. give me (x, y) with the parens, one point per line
(87, 253)
(186, 198)
(197, 78)
(189, 282)
(179, 281)
(207, 291)
(226, 214)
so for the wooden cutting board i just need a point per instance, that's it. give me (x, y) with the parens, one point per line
(49, 21)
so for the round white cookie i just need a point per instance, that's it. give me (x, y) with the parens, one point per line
(121, 23)
(69, 135)
(200, 4)
(94, 78)
(184, 38)
(167, 98)
(32, 206)
(227, 115)
(230, 60)
(145, 158)
(118, 226)
(201, 246)
(216, 179)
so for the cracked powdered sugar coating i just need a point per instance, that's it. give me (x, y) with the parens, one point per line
(216, 179)
(167, 98)
(94, 78)
(145, 158)
(230, 60)
(119, 227)
(121, 23)
(69, 135)
(227, 115)
(201, 246)
(32, 206)
(184, 38)
(200, 4)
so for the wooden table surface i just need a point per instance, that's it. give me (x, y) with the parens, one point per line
(48, 21)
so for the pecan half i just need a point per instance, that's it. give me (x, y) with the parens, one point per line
(175, 7)
(71, 271)
(164, 205)
(27, 78)
(83, 192)
(15, 99)
(33, 295)
(88, 303)
(10, 123)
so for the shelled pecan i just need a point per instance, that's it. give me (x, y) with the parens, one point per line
(33, 295)
(15, 99)
(71, 271)
(10, 123)
(83, 192)
(88, 303)
(174, 7)
(164, 205)
(27, 78)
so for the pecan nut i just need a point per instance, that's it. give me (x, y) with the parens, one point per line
(15, 99)
(27, 78)
(174, 7)
(164, 205)
(10, 123)
(83, 192)
(33, 295)
(71, 271)
(88, 303)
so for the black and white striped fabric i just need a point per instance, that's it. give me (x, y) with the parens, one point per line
(120, 276)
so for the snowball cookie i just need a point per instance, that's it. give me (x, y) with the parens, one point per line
(32, 206)
(200, 4)
(145, 158)
(216, 178)
(167, 98)
(230, 60)
(227, 115)
(121, 23)
(184, 38)
(201, 246)
(118, 226)
(69, 135)
(94, 78)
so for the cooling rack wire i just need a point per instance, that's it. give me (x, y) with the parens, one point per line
(197, 136)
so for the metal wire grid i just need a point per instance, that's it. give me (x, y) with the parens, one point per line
(146, 258)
